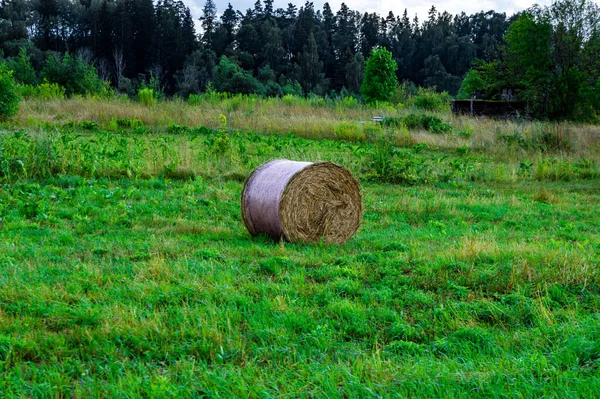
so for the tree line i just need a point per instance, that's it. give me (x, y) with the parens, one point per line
(550, 57)
(261, 50)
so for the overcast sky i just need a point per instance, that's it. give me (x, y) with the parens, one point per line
(383, 7)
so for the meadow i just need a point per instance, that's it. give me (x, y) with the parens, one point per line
(127, 271)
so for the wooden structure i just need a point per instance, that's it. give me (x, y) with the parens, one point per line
(497, 109)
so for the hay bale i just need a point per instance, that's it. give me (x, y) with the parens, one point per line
(302, 201)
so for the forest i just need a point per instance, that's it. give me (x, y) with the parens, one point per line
(321, 50)
(548, 55)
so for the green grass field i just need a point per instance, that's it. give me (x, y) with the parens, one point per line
(126, 270)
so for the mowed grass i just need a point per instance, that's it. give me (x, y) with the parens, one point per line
(127, 272)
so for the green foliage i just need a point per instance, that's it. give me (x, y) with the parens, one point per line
(349, 131)
(350, 102)
(9, 93)
(485, 79)
(147, 96)
(550, 137)
(311, 76)
(194, 99)
(379, 81)
(23, 71)
(430, 100)
(529, 49)
(292, 100)
(548, 60)
(44, 91)
(292, 88)
(472, 82)
(127, 123)
(74, 74)
(230, 78)
(430, 123)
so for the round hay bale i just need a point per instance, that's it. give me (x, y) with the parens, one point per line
(302, 201)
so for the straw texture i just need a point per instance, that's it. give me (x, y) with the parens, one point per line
(302, 201)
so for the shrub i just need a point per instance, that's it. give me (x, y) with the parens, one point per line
(385, 163)
(379, 81)
(27, 91)
(429, 100)
(194, 99)
(349, 102)
(292, 100)
(349, 131)
(74, 74)
(126, 123)
(393, 121)
(292, 88)
(146, 96)
(544, 137)
(44, 91)
(9, 94)
(23, 71)
(230, 77)
(50, 91)
(430, 123)
(88, 125)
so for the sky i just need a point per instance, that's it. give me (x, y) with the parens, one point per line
(383, 7)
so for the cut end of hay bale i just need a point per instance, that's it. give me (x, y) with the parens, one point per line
(302, 202)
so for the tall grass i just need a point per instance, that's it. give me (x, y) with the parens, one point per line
(309, 118)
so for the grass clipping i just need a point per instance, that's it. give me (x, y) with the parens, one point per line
(302, 201)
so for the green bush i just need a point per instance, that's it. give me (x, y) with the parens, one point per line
(231, 78)
(44, 91)
(126, 123)
(74, 74)
(146, 96)
(50, 91)
(9, 93)
(386, 163)
(292, 88)
(379, 81)
(194, 99)
(23, 71)
(350, 102)
(349, 131)
(430, 123)
(293, 100)
(393, 121)
(429, 100)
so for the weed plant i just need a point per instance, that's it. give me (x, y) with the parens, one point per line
(146, 96)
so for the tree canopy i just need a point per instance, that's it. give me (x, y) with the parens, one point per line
(551, 58)
(324, 50)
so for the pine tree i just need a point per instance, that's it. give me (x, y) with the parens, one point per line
(311, 68)
(209, 23)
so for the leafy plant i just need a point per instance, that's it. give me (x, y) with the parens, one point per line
(9, 93)
(379, 81)
(23, 71)
(146, 96)
(349, 131)
(430, 100)
(49, 91)
(194, 99)
(430, 123)
(74, 74)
